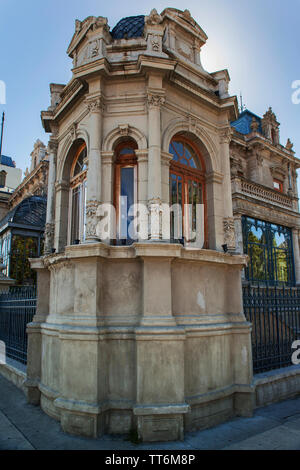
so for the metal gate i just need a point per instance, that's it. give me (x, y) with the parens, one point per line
(275, 316)
(17, 308)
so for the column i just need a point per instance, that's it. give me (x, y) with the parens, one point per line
(155, 100)
(228, 221)
(295, 234)
(93, 196)
(50, 225)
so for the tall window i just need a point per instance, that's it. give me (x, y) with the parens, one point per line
(78, 196)
(125, 189)
(187, 189)
(270, 252)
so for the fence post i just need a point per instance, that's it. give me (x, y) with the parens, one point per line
(34, 354)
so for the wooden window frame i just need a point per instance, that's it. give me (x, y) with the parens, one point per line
(75, 181)
(188, 173)
(275, 180)
(127, 160)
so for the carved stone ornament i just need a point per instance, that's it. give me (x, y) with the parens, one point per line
(225, 136)
(155, 42)
(49, 238)
(96, 105)
(124, 129)
(94, 48)
(154, 18)
(192, 123)
(74, 131)
(91, 219)
(229, 232)
(289, 145)
(155, 100)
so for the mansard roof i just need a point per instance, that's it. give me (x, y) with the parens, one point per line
(129, 27)
(242, 124)
(7, 161)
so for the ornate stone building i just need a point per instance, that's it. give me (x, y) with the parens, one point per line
(265, 199)
(22, 227)
(10, 178)
(130, 334)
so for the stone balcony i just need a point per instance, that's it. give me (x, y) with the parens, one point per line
(263, 194)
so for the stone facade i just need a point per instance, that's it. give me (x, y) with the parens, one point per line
(35, 182)
(257, 160)
(135, 337)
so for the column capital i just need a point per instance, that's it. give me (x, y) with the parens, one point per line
(53, 145)
(226, 135)
(95, 104)
(155, 98)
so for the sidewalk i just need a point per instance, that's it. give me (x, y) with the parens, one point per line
(26, 427)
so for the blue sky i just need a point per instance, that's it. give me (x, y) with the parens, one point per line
(257, 41)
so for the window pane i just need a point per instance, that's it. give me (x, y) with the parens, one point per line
(269, 247)
(80, 165)
(75, 215)
(127, 200)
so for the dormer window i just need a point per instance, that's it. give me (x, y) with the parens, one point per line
(2, 179)
(277, 185)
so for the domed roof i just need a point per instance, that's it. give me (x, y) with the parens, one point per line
(130, 27)
(30, 212)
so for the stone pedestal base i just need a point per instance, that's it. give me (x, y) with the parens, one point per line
(137, 340)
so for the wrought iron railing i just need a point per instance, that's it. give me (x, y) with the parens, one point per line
(275, 316)
(17, 308)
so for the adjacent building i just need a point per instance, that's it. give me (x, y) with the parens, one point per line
(265, 200)
(23, 222)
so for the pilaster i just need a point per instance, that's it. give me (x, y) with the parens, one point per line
(93, 197)
(50, 222)
(155, 100)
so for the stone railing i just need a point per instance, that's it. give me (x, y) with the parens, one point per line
(262, 193)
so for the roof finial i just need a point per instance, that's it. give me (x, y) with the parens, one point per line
(242, 106)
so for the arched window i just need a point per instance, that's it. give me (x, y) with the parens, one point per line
(78, 196)
(187, 189)
(125, 192)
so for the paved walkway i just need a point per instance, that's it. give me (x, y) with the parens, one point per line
(23, 426)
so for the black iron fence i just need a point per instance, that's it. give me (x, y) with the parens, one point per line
(17, 308)
(275, 316)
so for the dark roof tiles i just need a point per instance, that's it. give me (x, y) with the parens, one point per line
(242, 124)
(130, 27)
(7, 161)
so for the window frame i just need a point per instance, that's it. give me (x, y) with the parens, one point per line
(188, 173)
(126, 160)
(76, 181)
(280, 189)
